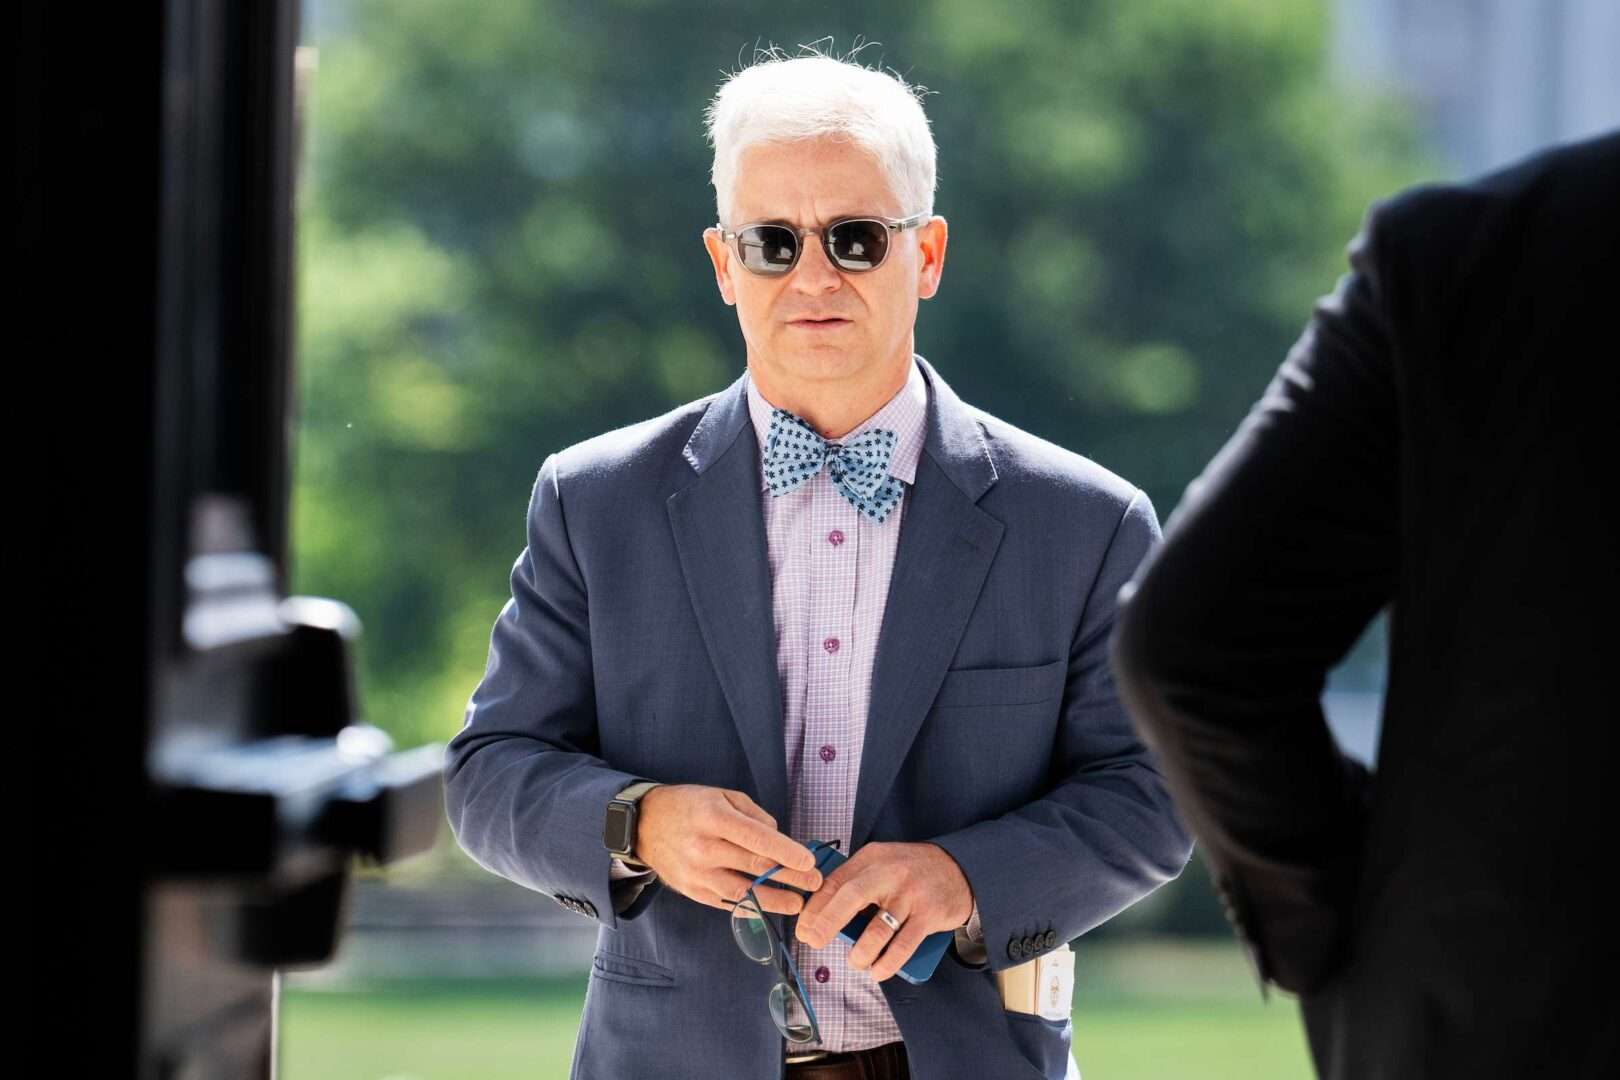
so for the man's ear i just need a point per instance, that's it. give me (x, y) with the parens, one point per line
(931, 247)
(720, 255)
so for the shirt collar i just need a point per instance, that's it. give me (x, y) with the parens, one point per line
(905, 414)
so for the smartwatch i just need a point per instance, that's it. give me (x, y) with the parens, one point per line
(619, 830)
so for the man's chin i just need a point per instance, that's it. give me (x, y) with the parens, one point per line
(823, 360)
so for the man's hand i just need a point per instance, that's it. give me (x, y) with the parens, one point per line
(709, 843)
(919, 884)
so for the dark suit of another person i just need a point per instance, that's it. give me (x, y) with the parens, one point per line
(1440, 441)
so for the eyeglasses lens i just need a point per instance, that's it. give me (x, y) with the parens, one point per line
(753, 937)
(788, 1012)
(768, 249)
(859, 245)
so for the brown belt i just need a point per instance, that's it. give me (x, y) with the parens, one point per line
(886, 1062)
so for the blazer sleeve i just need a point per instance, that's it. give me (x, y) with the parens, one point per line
(1105, 834)
(1276, 559)
(525, 789)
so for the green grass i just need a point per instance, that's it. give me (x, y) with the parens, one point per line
(480, 1029)
(1158, 1010)
(1142, 1010)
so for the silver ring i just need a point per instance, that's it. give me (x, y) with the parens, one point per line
(888, 920)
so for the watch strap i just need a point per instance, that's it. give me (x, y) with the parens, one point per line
(636, 790)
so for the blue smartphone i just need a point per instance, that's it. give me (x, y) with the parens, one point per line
(922, 962)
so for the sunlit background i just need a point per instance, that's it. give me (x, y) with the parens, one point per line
(499, 255)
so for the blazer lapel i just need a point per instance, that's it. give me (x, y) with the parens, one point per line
(720, 536)
(946, 546)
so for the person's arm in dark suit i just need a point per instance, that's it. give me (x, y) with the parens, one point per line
(525, 789)
(1105, 835)
(1280, 553)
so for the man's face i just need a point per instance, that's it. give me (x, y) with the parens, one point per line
(810, 183)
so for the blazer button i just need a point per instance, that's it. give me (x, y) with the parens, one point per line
(1051, 939)
(1032, 945)
(1015, 950)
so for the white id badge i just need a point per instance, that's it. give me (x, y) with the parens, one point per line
(1054, 984)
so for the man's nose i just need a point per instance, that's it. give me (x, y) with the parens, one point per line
(815, 272)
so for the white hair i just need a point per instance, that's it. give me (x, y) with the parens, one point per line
(780, 98)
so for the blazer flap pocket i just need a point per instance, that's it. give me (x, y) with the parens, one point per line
(1002, 685)
(631, 969)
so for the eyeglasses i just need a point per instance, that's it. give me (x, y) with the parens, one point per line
(854, 244)
(759, 940)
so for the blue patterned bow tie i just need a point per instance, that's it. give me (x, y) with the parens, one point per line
(859, 469)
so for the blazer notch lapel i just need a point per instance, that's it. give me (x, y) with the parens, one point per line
(947, 545)
(720, 539)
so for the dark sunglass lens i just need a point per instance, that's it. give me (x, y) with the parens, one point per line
(858, 245)
(768, 249)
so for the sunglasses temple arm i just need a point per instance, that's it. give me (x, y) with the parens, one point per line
(804, 996)
(781, 945)
(817, 850)
(793, 969)
(770, 928)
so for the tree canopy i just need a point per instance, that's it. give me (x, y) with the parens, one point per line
(499, 254)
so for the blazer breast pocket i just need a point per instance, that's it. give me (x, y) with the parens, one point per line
(617, 967)
(970, 687)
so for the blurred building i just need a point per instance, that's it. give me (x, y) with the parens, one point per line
(1490, 80)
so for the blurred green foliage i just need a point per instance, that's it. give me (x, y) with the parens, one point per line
(499, 254)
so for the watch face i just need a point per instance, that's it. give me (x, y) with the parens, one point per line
(616, 833)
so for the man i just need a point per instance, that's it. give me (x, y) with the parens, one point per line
(1438, 441)
(830, 602)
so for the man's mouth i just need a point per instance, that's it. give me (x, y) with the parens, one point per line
(819, 324)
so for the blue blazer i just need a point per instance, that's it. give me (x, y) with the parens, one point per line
(639, 642)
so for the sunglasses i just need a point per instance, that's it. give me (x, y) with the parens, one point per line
(853, 244)
(759, 940)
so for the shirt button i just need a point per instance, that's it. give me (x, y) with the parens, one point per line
(831, 645)
(822, 974)
(828, 752)
(835, 537)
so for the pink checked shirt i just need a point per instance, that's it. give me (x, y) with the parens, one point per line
(830, 568)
